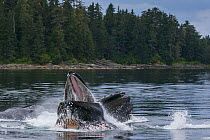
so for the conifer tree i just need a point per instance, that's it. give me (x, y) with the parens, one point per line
(70, 28)
(84, 49)
(57, 46)
(191, 44)
(110, 24)
(25, 31)
(98, 30)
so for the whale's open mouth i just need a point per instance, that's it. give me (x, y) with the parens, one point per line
(76, 89)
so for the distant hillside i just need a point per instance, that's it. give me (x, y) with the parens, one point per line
(41, 31)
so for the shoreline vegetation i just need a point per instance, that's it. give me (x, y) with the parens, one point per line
(99, 64)
(55, 32)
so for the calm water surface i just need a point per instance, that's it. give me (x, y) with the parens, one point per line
(168, 104)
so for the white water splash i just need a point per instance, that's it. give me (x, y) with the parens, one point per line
(181, 121)
(136, 119)
(45, 119)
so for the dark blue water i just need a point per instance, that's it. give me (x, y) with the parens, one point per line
(167, 104)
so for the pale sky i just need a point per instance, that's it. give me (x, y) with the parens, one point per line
(197, 12)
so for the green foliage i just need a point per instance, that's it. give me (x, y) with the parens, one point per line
(50, 31)
(73, 61)
(24, 60)
(194, 63)
(156, 59)
(192, 48)
(45, 58)
(182, 61)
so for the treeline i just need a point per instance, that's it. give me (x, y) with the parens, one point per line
(43, 31)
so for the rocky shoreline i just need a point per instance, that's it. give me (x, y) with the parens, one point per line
(101, 65)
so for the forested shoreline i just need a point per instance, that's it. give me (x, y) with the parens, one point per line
(49, 31)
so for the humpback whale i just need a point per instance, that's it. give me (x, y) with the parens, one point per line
(19, 113)
(80, 110)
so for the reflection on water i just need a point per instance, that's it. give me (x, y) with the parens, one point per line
(178, 135)
(168, 104)
(83, 135)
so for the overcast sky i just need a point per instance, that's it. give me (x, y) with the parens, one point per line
(197, 12)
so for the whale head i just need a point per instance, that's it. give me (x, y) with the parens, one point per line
(80, 110)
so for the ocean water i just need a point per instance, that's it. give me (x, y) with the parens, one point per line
(167, 104)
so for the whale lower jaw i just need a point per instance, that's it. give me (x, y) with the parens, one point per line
(87, 126)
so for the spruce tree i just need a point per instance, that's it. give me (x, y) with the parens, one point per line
(25, 31)
(84, 49)
(57, 45)
(110, 24)
(191, 43)
(98, 30)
